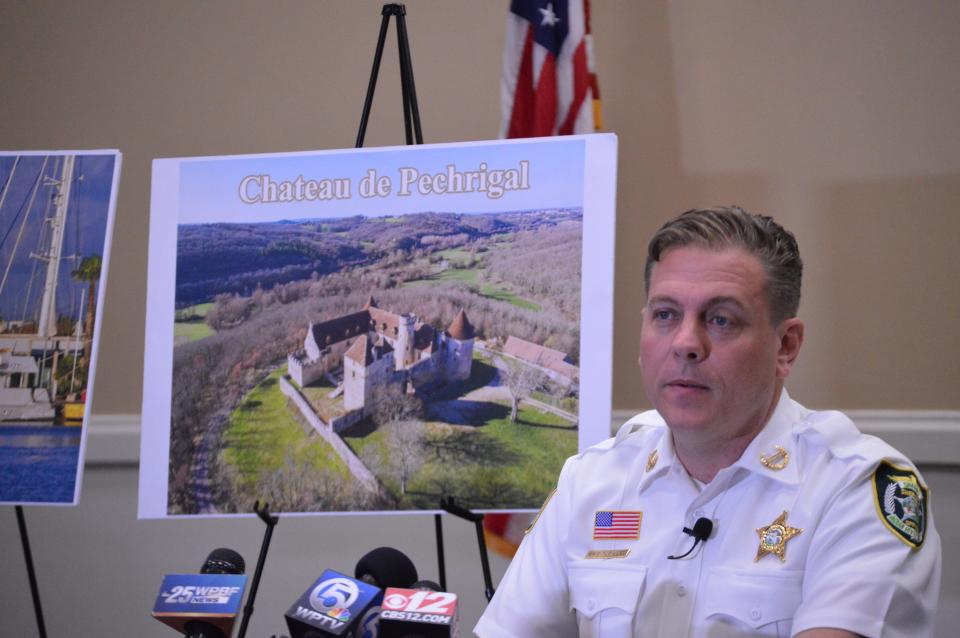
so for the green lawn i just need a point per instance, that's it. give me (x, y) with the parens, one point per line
(471, 276)
(191, 330)
(492, 292)
(317, 394)
(489, 461)
(199, 310)
(189, 324)
(455, 255)
(263, 432)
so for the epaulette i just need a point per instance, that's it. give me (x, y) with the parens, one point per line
(844, 440)
(637, 424)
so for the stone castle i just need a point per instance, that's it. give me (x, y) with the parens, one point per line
(377, 348)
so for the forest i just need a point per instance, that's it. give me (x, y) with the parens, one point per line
(236, 258)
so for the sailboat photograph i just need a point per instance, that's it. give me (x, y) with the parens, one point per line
(55, 217)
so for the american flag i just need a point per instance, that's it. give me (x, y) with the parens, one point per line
(549, 86)
(612, 525)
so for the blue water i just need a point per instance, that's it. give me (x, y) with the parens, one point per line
(38, 464)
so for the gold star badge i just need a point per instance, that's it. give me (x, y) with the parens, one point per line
(774, 537)
(776, 461)
(652, 460)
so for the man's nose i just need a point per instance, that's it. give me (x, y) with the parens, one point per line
(689, 342)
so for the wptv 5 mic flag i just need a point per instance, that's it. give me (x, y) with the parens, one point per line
(548, 85)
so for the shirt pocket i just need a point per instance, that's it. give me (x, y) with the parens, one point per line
(764, 603)
(605, 597)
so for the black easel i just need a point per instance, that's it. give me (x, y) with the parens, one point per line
(411, 114)
(270, 521)
(450, 505)
(414, 135)
(31, 574)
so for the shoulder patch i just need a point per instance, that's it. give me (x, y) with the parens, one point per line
(537, 517)
(901, 501)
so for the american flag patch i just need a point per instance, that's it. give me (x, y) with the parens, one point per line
(616, 525)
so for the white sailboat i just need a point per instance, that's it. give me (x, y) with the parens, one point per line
(28, 361)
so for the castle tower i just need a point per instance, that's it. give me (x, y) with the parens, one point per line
(366, 366)
(405, 340)
(459, 337)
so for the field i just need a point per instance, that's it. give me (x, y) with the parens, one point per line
(485, 464)
(264, 434)
(190, 323)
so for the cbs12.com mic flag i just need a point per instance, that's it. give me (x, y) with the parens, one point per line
(370, 330)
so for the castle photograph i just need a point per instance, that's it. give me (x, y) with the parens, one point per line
(374, 352)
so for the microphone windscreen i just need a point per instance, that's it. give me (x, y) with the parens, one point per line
(386, 567)
(428, 585)
(702, 528)
(223, 560)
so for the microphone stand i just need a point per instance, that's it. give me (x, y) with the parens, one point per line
(270, 522)
(449, 504)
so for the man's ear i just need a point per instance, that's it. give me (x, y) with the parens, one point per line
(790, 333)
(643, 315)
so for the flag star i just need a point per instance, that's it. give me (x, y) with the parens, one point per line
(550, 18)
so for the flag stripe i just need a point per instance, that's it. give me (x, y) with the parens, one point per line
(548, 85)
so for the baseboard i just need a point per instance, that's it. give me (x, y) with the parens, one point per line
(927, 437)
(113, 439)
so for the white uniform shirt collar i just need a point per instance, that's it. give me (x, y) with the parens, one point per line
(777, 431)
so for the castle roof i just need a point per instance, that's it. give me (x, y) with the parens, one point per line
(424, 337)
(460, 328)
(335, 330)
(540, 355)
(371, 303)
(383, 321)
(362, 351)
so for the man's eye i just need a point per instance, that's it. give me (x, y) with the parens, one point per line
(721, 322)
(663, 315)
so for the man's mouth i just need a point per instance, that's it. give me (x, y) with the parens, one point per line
(686, 384)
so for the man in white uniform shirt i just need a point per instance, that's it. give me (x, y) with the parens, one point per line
(730, 510)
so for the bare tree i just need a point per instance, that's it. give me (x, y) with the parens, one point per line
(391, 404)
(403, 452)
(521, 380)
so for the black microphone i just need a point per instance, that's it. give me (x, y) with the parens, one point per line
(223, 560)
(386, 567)
(702, 528)
(204, 605)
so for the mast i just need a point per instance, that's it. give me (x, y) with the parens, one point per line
(47, 327)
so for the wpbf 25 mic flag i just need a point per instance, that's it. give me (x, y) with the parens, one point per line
(548, 85)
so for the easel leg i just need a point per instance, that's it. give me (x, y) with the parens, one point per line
(31, 574)
(441, 562)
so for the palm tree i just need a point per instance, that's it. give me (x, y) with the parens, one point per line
(89, 271)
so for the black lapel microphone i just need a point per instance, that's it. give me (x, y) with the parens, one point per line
(700, 532)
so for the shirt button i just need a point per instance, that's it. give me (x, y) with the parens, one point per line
(755, 614)
(681, 591)
(591, 604)
(698, 513)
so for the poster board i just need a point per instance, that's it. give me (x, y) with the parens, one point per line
(369, 330)
(56, 216)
